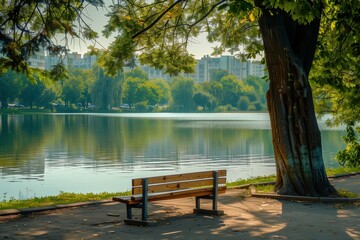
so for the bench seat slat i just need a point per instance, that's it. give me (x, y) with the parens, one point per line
(124, 199)
(194, 192)
(179, 177)
(173, 186)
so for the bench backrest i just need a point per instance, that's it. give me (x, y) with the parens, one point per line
(179, 182)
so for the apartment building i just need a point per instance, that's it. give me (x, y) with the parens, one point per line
(37, 60)
(72, 60)
(206, 64)
(229, 63)
(202, 73)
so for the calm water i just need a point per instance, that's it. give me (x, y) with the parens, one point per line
(44, 154)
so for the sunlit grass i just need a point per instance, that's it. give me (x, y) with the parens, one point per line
(269, 188)
(264, 188)
(271, 178)
(62, 198)
(343, 170)
(261, 179)
(340, 192)
(348, 194)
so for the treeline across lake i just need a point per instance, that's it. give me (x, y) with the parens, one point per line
(93, 90)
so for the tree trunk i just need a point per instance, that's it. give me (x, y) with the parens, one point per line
(289, 52)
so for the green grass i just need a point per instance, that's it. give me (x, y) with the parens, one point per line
(264, 188)
(342, 170)
(341, 192)
(348, 194)
(271, 178)
(252, 180)
(62, 198)
(65, 197)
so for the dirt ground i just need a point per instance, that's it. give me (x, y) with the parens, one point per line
(245, 218)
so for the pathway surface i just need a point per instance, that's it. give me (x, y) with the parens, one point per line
(246, 218)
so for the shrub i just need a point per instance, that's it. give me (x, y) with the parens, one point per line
(350, 156)
(244, 103)
(141, 106)
(226, 108)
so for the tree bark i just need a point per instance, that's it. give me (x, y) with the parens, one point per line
(289, 52)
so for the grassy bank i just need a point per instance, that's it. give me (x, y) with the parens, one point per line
(62, 198)
(263, 179)
(65, 198)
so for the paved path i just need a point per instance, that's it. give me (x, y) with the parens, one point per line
(246, 218)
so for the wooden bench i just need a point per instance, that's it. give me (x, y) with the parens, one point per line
(206, 185)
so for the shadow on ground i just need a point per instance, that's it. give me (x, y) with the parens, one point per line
(246, 218)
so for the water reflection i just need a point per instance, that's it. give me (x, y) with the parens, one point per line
(44, 154)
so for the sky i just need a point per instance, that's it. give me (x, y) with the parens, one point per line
(97, 20)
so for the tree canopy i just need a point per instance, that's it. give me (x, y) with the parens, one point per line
(27, 27)
(336, 73)
(162, 30)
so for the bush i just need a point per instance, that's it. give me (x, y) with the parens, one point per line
(252, 96)
(157, 108)
(258, 106)
(73, 107)
(244, 103)
(252, 108)
(226, 108)
(350, 156)
(141, 106)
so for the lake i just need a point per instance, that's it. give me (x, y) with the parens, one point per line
(43, 154)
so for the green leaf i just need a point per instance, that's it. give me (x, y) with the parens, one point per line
(223, 6)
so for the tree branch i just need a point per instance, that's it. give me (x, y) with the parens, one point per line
(28, 21)
(207, 14)
(190, 25)
(157, 19)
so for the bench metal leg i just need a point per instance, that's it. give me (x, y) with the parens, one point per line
(138, 222)
(128, 211)
(213, 211)
(197, 202)
(214, 198)
(144, 208)
(144, 211)
(215, 190)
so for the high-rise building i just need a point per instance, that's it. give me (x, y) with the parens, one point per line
(229, 63)
(72, 60)
(203, 68)
(257, 69)
(37, 60)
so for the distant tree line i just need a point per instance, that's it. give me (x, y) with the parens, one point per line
(134, 91)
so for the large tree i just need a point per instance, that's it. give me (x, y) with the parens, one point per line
(164, 88)
(231, 90)
(182, 91)
(72, 89)
(289, 51)
(31, 93)
(107, 90)
(287, 31)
